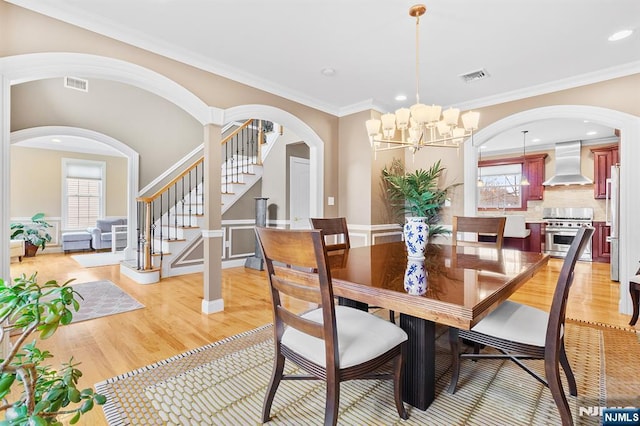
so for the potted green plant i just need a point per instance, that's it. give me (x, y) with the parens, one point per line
(44, 393)
(416, 194)
(34, 234)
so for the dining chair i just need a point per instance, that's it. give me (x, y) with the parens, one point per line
(480, 226)
(634, 291)
(523, 332)
(334, 229)
(331, 343)
(336, 236)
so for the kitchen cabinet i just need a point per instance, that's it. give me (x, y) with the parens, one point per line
(536, 238)
(600, 247)
(534, 171)
(603, 159)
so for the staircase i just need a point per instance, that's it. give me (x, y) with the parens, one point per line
(170, 222)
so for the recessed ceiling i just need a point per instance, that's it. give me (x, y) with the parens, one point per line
(544, 134)
(70, 144)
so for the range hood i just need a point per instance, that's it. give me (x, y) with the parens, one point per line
(567, 166)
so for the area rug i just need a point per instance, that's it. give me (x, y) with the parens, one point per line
(98, 259)
(102, 298)
(224, 383)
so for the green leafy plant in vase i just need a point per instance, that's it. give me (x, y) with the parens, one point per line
(35, 234)
(32, 392)
(416, 194)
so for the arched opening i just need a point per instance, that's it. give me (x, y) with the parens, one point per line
(629, 127)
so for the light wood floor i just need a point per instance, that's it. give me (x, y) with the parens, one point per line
(172, 322)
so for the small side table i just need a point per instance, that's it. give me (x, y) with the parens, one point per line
(634, 289)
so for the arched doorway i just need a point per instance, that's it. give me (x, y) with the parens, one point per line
(629, 127)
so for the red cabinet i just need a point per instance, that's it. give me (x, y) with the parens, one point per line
(600, 247)
(534, 171)
(603, 159)
(536, 239)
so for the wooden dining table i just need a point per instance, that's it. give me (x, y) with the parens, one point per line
(463, 284)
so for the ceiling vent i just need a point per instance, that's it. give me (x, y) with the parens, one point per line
(76, 83)
(474, 75)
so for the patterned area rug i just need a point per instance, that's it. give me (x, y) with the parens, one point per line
(102, 298)
(224, 383)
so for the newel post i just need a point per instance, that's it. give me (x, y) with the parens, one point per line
(256, 261)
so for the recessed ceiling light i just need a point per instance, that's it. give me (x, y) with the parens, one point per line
(620, 35)
(401, 98)
(328, 72)
(591, 133)
(535, 140)
(56, 140)
(585, 121)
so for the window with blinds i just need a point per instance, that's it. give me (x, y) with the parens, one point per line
(83, 193)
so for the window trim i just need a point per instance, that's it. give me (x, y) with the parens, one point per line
(524, 193)
(66, 162)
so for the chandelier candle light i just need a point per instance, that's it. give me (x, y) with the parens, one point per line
(420, 121)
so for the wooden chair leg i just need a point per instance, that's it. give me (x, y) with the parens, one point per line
(564, 362)
(552, 373)
(333, 401)
(454, 342)
(634, 290)
(397, 385)
(276, 377)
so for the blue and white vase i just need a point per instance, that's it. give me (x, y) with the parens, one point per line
(416, 233)
(415, 277)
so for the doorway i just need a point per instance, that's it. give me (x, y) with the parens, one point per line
(299, 181)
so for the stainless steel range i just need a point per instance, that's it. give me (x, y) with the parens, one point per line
(561, 226)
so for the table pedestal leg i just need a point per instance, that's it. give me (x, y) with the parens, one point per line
(343, 301)
(419, 385)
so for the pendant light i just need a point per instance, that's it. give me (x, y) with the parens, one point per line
(523, 180)
(480, 182)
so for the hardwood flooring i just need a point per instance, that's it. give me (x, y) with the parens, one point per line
(172, 321)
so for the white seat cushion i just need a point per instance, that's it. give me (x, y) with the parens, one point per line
(361, 337)
(635, 279)
(515, 322)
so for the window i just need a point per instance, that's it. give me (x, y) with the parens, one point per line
(83, 192)
(501, 189)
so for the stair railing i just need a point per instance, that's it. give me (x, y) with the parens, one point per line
(180, 201)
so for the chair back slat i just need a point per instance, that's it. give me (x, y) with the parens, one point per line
(297, 266)
(478, 225)
(306, 287)
(335, 227)
(309, 327)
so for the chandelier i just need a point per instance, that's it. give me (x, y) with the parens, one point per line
(421, 125)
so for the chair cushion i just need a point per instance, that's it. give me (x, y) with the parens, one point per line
(635, 279)
(515, 322)
(361, 337)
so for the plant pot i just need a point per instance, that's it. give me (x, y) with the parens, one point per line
(416, 234)
(30, 249)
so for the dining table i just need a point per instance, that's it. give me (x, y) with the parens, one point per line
(459, 286)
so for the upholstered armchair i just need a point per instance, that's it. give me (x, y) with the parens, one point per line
(102, 235)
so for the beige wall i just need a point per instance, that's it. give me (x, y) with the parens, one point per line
(36, 182)
(19, 37)
(149, 124)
